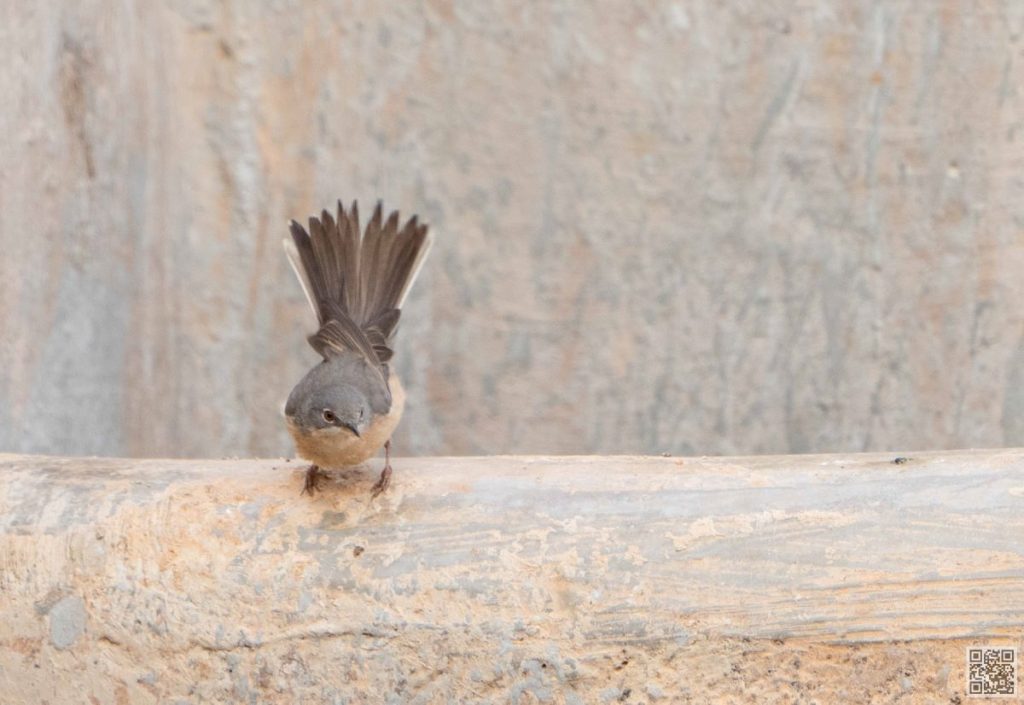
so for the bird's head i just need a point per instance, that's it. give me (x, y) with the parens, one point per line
(321, 402)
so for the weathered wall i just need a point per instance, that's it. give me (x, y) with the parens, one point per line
(819, 579)
(701, 227)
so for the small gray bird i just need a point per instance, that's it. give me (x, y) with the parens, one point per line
(346, 408)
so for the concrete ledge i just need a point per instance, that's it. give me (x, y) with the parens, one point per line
(508, 580)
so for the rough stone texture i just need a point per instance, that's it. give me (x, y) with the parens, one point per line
(817, 579)
(701, 227)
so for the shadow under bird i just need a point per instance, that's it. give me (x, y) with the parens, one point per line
(346, 408)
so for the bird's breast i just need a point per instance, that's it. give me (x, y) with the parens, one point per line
(335, 447)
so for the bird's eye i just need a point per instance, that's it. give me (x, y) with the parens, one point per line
(329, 416)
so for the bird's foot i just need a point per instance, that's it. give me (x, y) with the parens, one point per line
(313, 477)
(385, 474)
(383, 482)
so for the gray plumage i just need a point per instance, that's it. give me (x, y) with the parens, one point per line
(344, 385)
(356, 282)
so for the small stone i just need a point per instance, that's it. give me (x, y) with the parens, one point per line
(67, 621)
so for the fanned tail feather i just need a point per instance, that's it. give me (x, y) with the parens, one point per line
(358, 280)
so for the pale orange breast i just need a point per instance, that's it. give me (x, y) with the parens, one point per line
(336, 447)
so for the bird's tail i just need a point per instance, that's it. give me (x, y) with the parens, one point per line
(361, 276)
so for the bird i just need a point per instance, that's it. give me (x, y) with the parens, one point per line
(345, 409)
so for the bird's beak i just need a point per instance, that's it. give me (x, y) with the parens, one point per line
(352, 428)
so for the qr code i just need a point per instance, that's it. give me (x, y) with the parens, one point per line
(992, 670)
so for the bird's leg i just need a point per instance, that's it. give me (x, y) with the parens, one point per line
(385, 474)
(313, 477)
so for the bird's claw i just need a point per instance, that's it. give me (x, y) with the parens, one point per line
(312, 484)
(382, 483)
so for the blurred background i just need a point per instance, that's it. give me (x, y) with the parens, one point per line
(691, 227)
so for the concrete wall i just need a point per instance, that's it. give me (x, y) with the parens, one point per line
(697, 227)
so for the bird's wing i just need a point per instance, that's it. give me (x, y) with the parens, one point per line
(357, 281)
